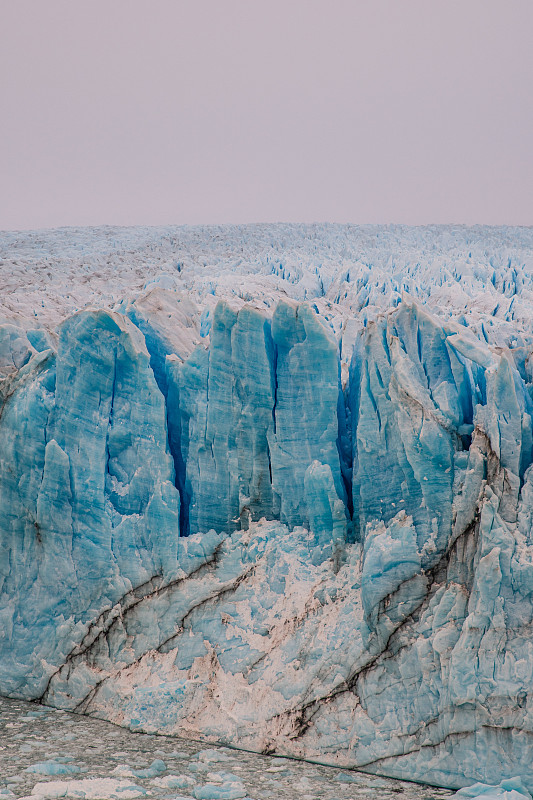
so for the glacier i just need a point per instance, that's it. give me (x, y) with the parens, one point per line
(272, 487)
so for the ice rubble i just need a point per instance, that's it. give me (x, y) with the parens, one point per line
(296, 521)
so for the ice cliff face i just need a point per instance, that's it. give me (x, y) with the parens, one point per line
(274, 526)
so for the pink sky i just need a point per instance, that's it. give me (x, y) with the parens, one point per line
(163, 111)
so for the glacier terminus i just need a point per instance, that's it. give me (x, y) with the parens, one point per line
(272, 487)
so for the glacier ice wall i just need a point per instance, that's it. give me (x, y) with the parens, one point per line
(248, 523)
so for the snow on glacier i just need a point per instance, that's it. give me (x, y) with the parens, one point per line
(272, 486)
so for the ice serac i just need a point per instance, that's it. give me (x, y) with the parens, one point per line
(221, 400)
(414, 412)
(122, 481)
(172, 327)
(89, 508)
(179, 552)
(305, 421)
(254, 410)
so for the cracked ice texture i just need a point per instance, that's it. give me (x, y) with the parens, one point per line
(296, 527)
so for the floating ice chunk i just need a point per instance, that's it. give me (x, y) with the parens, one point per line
(88, 789)
(174, 782)
(223, 777)
(222, 785)
(212, 756)
(33, 715)
(225, 791)
(344, 777)
(53, 768)
(156, 768)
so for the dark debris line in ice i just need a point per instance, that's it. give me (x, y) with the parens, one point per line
(39, 745)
